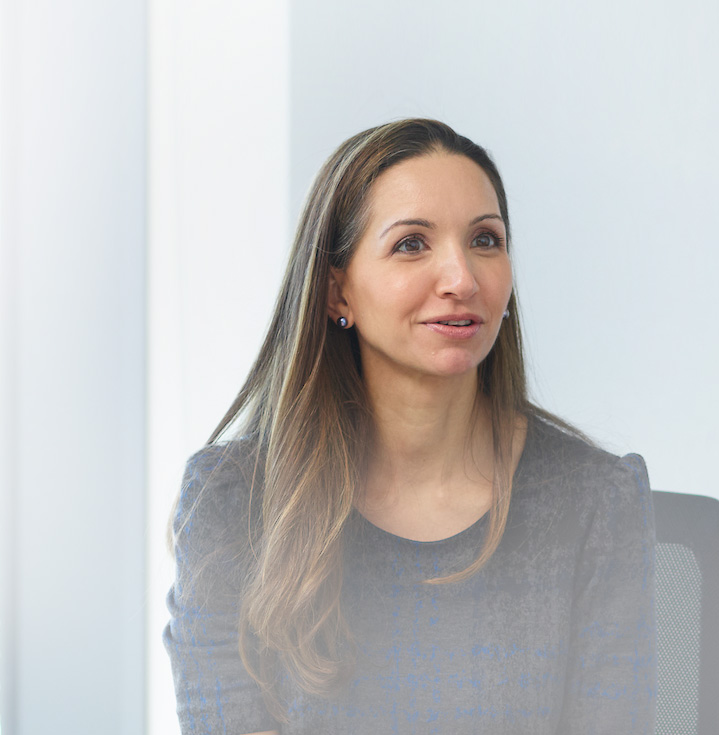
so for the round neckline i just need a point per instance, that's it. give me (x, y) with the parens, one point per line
(381, 532)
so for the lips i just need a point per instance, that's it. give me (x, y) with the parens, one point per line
(455, 320)
(455, 326)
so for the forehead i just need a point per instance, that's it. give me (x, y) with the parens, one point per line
(446, 182)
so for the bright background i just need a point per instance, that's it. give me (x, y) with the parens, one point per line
(154, 155)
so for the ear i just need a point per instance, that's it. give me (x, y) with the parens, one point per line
(337, 304)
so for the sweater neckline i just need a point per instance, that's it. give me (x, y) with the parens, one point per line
(367, 526)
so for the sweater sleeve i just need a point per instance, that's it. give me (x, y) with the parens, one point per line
(214, 692)
(611, 674)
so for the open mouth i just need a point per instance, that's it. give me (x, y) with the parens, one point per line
(455, 328)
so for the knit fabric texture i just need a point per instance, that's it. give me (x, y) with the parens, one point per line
(554, 635)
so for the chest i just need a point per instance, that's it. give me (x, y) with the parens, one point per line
(447, 658)
(429, 516)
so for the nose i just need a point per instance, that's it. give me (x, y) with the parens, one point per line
(455, 276)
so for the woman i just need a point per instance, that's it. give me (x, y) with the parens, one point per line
(404, 542)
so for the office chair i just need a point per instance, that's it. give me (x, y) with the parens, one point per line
(687, 609)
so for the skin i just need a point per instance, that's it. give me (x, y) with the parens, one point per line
(429, 476)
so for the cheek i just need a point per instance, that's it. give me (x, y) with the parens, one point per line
(385, 294)
(405, 292)
(498, 283)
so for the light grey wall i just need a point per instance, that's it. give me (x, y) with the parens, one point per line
(603, 120)
(73, 240)
(217, 234)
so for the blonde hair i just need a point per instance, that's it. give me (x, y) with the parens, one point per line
(305, 415)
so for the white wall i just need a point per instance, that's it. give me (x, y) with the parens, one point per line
(219, 162)
(72, 238)
(603, 120)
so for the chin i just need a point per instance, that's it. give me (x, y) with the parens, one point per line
(457, 368)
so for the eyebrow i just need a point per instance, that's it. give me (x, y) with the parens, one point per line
(432, 226)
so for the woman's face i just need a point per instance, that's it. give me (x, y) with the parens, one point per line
(430, 278)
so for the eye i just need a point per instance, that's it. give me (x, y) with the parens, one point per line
(411, 244)
(487, 241)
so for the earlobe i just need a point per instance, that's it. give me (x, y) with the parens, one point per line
(337, 306)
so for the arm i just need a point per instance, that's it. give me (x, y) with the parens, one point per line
(214, 692)
(611, 673)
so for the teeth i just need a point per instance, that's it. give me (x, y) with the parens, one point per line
(463, 323)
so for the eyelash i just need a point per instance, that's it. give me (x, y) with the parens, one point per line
(498, 240)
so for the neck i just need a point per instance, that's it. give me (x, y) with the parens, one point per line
(426, 432)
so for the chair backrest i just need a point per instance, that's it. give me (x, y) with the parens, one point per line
(687, 614)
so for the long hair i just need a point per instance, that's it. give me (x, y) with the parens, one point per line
(304, 413)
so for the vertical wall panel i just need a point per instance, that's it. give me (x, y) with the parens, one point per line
(218, 237)
(74, 220)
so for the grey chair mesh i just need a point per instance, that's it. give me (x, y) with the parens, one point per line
(687, 609)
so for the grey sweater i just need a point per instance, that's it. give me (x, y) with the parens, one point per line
(554, 635)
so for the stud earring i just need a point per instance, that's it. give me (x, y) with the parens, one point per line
(342, 323)
(506, 314)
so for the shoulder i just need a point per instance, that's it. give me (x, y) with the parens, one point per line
(225, 465)
(570, 475)
(219, 502)
(219, 479)
(551, 453)
(574, 501)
